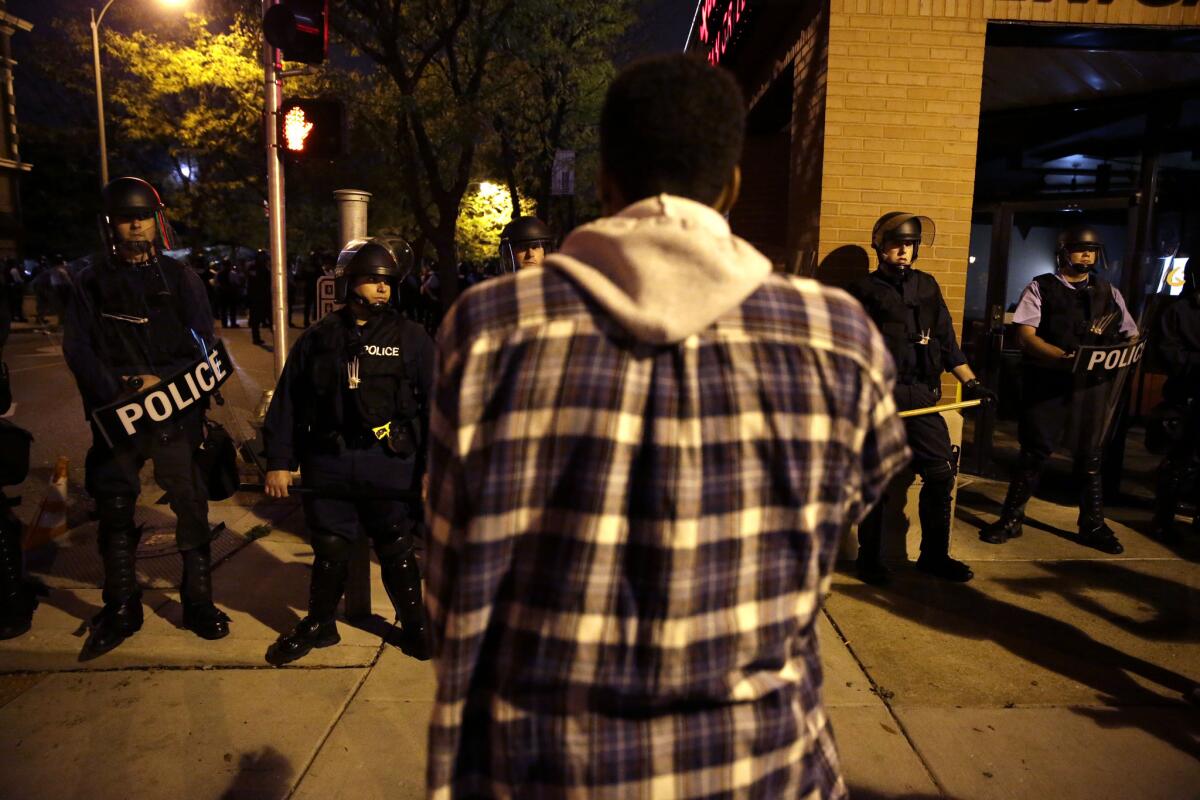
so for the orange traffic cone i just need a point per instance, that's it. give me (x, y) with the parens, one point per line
(51, 518)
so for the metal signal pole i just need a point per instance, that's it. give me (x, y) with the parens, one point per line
(272, 98)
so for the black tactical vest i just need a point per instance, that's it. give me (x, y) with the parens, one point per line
(905, 313)
(139, 316)
(1067, 313)
(385, 392)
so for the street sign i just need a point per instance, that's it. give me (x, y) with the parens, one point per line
(562, 181)
(325, 294)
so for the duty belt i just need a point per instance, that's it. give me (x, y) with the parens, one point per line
(333, 441)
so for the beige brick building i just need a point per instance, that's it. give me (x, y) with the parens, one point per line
(859, 107)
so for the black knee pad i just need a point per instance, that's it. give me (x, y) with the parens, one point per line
(331, 547)
(115, 511)
(396, 541)
(1031, 462)
(938, 473)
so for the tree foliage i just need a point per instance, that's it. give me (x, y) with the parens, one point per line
(441, 95)
(486, 208)
(558, 67)
(187, 100)
(441, 57)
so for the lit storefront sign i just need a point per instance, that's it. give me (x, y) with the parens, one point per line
(719, 21)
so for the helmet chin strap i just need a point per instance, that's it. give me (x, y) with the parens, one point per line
(371, 309)
(135, 253)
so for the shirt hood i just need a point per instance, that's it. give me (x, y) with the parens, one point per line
(665, 267)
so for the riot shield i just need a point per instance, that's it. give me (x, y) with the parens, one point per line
(1099, 378)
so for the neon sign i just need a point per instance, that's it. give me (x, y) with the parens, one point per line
(296, 128)
(717, 26)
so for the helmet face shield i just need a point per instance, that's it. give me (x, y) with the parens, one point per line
(387, 258)
(522, 234)
(509, 250)
(900, 227)
(126, 200)
(1081, 239)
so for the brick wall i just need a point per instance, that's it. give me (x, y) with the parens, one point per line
(902, 93)
(785, 221)
(809, 104)
(761, 215)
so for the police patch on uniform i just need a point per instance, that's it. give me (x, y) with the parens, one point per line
(131, 416)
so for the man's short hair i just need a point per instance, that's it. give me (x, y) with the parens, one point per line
(674, 125)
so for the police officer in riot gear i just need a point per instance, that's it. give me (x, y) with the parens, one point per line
(1057, 314)
(524, 243)
(134, 317)
(1177, 339)
(349, 409)
(18, 596)
(906, 305)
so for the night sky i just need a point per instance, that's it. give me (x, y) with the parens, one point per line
(662, 28)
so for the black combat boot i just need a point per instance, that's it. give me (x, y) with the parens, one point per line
(1093, 531)
(121, 616)
(1166, 501)
(199, 614)
(18, 598)
(319, 628)
(1012, 514)
(869, 565)
(933, 508)
(402, 580)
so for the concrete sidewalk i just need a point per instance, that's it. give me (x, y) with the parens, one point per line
(1057, 672)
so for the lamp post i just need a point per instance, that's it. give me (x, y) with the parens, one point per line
(96, 20)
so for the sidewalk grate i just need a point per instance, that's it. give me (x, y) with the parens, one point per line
(73, 560)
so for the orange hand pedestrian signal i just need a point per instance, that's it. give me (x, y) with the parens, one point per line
(310, 128)
(296, 128)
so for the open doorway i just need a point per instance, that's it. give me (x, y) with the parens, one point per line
(1096, 125)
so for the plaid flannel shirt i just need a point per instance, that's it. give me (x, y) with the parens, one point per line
(629, 543)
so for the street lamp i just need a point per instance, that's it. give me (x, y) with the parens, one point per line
(96, 20)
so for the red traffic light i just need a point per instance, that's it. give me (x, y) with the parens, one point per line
(311, 128)
(299, 28)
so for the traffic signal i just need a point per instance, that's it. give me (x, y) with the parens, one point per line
(311, 128)
(299, 28)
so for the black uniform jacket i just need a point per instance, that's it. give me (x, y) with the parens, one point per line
(132, 319)
(313, 399)
(1179, 347)
(905, 311)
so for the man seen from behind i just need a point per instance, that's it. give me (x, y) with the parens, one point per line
(643, 454)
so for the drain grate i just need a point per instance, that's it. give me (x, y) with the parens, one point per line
(73, 561)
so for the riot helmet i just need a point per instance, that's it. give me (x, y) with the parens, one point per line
(901, 226)
(522, 233)
(131, 198)
(389, 258)
(1080, 239)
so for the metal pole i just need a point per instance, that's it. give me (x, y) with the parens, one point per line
(352, 214)
(352, 224)
(272, 95)
(99, 94)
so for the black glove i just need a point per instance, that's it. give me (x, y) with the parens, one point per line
(975, 390)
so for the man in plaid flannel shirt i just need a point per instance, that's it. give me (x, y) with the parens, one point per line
(642, 457)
